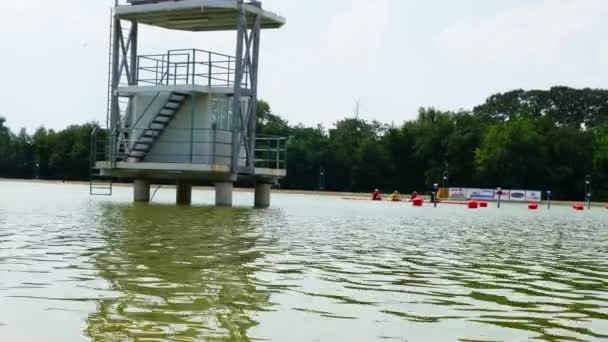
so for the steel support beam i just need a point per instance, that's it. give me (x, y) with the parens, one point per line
(253, 105)
(123, 64)
(134, 38)
(115, 79)
(238, 80)
(247, 59)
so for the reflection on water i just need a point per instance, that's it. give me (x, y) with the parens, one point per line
(179, 272)
(310, 269)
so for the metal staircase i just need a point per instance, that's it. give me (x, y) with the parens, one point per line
(142, 146)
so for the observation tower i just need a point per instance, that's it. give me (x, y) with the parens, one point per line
(186, 115)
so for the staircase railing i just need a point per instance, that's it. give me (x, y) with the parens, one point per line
(189, 67)
(187, 146)
(183, 146)
(271, 152)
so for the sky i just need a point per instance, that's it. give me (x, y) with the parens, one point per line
(392, 56)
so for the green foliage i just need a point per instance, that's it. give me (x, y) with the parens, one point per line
(512, 154)
(46, 154)
(562, 105)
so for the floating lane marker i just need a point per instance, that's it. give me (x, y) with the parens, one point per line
(578, 207)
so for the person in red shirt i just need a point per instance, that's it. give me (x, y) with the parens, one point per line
(376, 195)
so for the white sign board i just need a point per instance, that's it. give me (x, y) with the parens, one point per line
(534, 196)
(517, 196)
(480, 194)
(458, 193)
(491, 194)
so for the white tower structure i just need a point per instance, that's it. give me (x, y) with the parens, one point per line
(189, 114)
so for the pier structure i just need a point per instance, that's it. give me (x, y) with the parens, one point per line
(186, 115)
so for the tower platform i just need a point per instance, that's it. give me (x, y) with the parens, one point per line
(196, 15)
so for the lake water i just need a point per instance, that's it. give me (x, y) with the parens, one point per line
(311, 268)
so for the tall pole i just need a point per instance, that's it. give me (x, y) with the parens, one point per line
(588, 191)
(499, 192)
(549, 194)
(322, 179)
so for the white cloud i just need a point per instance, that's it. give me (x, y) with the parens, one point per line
(355, 37)
(545, 32)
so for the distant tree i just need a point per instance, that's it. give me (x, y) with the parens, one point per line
(564, 106)
(512, 155)
(307, 154)
(7, 153)
(269, 123)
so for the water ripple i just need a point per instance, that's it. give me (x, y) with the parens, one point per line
(312, 268)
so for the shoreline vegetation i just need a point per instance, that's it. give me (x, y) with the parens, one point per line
(522, 139)
(338, 194)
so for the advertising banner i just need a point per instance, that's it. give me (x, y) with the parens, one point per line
(480, 194)
(458, 193)
(534, 196)
(504, 197)
(491, 194)
(517, 195)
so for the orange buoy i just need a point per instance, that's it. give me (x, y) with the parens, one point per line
(472, 204)
(417, 201)
(533, 206)
(483, 204)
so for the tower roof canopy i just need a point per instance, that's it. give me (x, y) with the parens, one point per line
(194, 15)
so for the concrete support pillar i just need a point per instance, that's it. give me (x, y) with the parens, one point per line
(262, 195)
(223, 194)
(184, 192)
(141, 190)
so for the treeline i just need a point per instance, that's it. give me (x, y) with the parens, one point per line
(46, 154)
(538, 140)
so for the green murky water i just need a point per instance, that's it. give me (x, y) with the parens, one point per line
(311, 268)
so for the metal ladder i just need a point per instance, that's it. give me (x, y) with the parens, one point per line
(100, 185)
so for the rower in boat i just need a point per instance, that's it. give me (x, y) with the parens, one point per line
(395, 197)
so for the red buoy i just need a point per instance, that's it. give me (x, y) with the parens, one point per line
(533, 206)
(417, 202)
(606, 206)
(472, 204)
(483, 204)
(578, 206)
